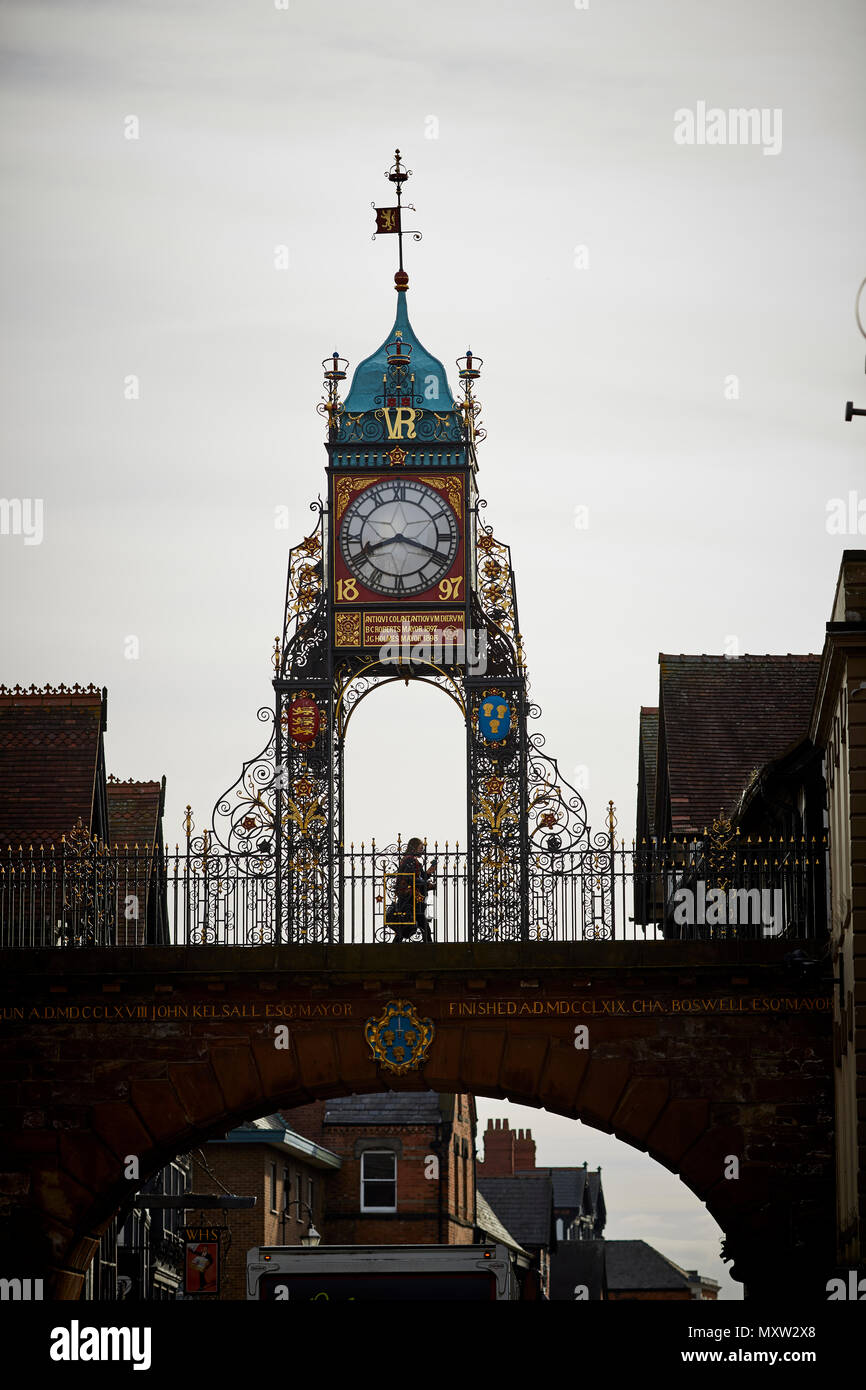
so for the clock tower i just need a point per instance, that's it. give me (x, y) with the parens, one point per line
(400, 579)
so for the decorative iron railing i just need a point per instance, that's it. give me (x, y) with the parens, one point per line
(82, 893)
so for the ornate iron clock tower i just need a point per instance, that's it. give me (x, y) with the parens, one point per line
(400, 579)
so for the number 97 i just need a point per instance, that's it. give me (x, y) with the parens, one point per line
(450, 588)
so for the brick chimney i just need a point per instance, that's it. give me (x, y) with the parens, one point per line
(524, 1151)
(498, 1150)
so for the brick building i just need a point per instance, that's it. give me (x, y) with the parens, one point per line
(285, 1172)
(407, 1170)
(66, 823)
(578, 1200)
(838, 728)
(62, 815)
(52, 763)
(558, 1215)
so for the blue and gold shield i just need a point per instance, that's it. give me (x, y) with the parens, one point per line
(399, 1039)
(494, 717)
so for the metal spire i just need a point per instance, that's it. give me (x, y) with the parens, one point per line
(390, 220)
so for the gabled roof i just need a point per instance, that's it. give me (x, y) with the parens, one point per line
(574, 1189)
(632, 1264)
(568, 1185)
(488, 1222)
(596, 1195)
(385, 1108)
(524, 1205)
(134, 812)
(50, 755)
(617, 1266)
(720, 719)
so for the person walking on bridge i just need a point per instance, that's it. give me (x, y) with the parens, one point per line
(414, 880)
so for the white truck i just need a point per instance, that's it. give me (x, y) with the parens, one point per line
(281, 1273)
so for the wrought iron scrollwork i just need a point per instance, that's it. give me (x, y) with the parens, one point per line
(245, 815)
(91, 897)
(556, 811)
(305, 635)
(497, 591)
(497, 804)
(307, 830)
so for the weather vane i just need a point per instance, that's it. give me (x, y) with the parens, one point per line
(389, 221)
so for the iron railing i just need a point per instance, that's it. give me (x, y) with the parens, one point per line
(90, 895)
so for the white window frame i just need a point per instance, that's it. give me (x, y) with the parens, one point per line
(377, 1153)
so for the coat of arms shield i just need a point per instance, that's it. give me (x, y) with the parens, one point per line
(399, 1039)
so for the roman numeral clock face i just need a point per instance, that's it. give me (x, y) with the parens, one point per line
(399, 538)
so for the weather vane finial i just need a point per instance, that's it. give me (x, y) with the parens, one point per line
(390, 220)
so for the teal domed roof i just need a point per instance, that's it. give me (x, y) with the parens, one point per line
(431, 382)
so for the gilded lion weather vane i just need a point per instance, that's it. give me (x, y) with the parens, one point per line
(390, 220)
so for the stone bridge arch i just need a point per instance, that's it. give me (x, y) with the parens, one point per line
(694, 1057)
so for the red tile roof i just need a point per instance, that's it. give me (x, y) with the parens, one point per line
(721, 718)
(50, 752)
(134, 812)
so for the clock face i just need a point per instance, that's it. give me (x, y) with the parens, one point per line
(399, 537)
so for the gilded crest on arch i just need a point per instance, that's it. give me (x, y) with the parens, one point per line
(399, 1039)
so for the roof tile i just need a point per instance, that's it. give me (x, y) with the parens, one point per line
(721, 718)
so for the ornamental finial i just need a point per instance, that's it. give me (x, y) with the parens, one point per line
(469, 370)
(330, 406)
(390, 220)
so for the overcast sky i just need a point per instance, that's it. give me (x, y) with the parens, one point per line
(668, 336)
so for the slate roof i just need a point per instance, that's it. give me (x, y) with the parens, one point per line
(596, 1196)
(568, 1185)
(50, 753)
(648, 743)
(632, 1264)
(574, 1188)
(488, 1222)
(275, 1122)
(524, 1205)
(385, 1108)
(134, 812)
(616, 1266)
(720, 718)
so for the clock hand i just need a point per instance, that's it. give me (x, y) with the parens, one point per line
(391, 540)
(420, 546)
(368, 549)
